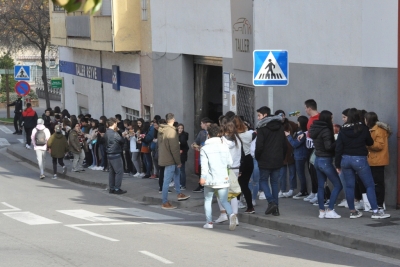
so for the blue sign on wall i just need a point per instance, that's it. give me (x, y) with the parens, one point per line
(116, 81)
(270, 68)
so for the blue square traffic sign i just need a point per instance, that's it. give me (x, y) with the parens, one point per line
(22, 73)
(270, 68)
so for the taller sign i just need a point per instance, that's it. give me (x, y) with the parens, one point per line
(22, 73)
(271, 68)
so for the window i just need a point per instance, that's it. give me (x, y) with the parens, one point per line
(144, 9)
(58, 8)
(146, 115)
(131, 114)
(106, 8)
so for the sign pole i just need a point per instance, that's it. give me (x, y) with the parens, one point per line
(62, 94)
(7, 95)
(271, 99)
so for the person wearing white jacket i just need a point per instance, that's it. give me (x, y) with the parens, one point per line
(40, 146)
(215, 161)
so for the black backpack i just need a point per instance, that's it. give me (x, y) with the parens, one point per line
(40, 138)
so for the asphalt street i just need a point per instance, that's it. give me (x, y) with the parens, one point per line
(59, 223)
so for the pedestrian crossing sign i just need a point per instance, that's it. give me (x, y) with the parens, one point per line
(270, 68)
(22, 73)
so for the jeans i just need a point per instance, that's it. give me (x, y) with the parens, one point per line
(116, 171)
(343, 181)
(223, 198)
(265, 175)
(300, 170)
(94, 155)
(351, 165)
(254, 184)
(148, 162)
(292, 177)
(183, 174)
(41, 158)
(136, 160)
(78, 159)
(170, 172)
(325, 169)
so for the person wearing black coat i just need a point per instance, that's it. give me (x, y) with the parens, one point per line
(184, 148)
(17, 113)
(321, 131)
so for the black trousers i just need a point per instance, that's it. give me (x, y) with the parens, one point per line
(60, 161)
(28, 132)
(313, 173)
(378, 173)
(17, 116)
(246, 168)
(161, 177)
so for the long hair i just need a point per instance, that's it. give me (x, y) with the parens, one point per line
(229, 131)
(239, 124)
(303, 120)
(326, 116)
(353, 116)
(372, 119)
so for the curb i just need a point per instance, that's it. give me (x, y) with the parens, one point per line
(387, 249)
(190, 203)
(6, 123)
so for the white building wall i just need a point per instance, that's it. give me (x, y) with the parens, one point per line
(192, 27)
(329, 32)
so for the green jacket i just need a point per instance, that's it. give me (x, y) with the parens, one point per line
(73, 142)
(58, 144)
(168, 146)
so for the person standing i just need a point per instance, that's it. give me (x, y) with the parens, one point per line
(78, 146)
(169, 156)
(29, 121)
(40, 135)
(17, 113)
(184, 148)
(114, 142)
(270, 152)
(58, 146)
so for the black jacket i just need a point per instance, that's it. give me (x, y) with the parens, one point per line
(352, 143)
(47, 122)
(17, 106)
(323, 139)
(113, 142)
(183, 138)
(271, 143)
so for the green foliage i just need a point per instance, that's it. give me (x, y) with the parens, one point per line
(6, 62)
(86, 5)
(13, 96)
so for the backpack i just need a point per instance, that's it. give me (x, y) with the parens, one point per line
(40, 138)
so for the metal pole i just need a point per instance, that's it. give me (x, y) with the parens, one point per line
(398, 107)
(271, 99)
(102, 87)
(7, 94)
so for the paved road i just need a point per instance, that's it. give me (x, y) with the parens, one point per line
(57, 223)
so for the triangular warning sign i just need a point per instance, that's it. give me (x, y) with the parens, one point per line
(21, 73)
(270, 70)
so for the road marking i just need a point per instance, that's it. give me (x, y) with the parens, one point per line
(12, 208)
(5, 129)
(29, 218)
(4, 142)
(156, 257)
(21, 141)
(145, 214)
(87, 215)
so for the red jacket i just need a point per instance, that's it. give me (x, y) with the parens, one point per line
(29, 118)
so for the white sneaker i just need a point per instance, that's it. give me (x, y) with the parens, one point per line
(208, 226)
(343, 203)
(321, 214)
(280, 194)
(237, 221)
(288, 193)
(359, 205)
(331, 214)
(310, 196)
(232, 221)
(380, 214)
(253, 202)
(262, 196)
(315, 199)
(54, 176)
(142, 174)
(28, 146)
(100, 168)
(223, 217)
(241, 205)
(171, 184)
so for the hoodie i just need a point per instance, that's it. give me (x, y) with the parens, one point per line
(352, 143)
(168, 146)
(379, 152)
(58, 144)
(46, 132)
(271, 144)
(29, 118)
(323, 139)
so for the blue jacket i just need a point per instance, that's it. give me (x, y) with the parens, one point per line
(148, 139)
(300, 149)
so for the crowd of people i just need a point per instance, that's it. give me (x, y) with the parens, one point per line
(237, 162)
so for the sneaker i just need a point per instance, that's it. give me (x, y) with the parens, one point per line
(142, 174)
(321, 214)
(111, 191)
(146, 176)
(15, 132)
(75, 170)
(315, 199)
(54, 176)
(331, 214)
(153, 176)
(199, 189)
(288, 194)
(300, 195)
(359, 205)
(342, 203)
(315, 204)
(42, 176)
(310, 196)
(171, 184)
(280, 194)
(271, 208)
(356, 214)
(160, 191)
(183, 188)
(64, 171)
(232, 222)
(250, 211)
(223, 217)
(208, 225)
(380, 214)
(237, 221)
(253, 202)
(262, 196)
(326, 204)
(276, 212)
(241, 205)
(167, 206)
(91, 167)
(137, 175)
(119, 191)
(28, 146)
(182, 197)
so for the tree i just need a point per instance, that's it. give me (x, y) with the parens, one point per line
(6, 62)
(87, 5)
(27, 23)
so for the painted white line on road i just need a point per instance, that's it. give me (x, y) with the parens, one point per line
(29, 218)
(21, 141)
(87, 215)
(93, 234)
(145, 214)
(11, 208)
(5, 129)
(156, 257)
(4, 142)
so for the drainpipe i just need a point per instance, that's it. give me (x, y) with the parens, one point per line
(112, 26)
(102, 87)
(398, 106)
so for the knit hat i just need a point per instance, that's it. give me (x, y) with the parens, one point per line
(40, 121)
(57, 128)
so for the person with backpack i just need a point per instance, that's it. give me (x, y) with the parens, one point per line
(39, 137)
(58, 146)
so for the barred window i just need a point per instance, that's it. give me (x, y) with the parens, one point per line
(131, 114)
(144, 9)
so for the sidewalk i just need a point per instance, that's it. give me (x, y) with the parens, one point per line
(297, 217)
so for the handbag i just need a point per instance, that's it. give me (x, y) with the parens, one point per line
(312, 157)
(234, 186)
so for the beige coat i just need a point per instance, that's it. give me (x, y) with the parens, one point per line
(168, 146)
